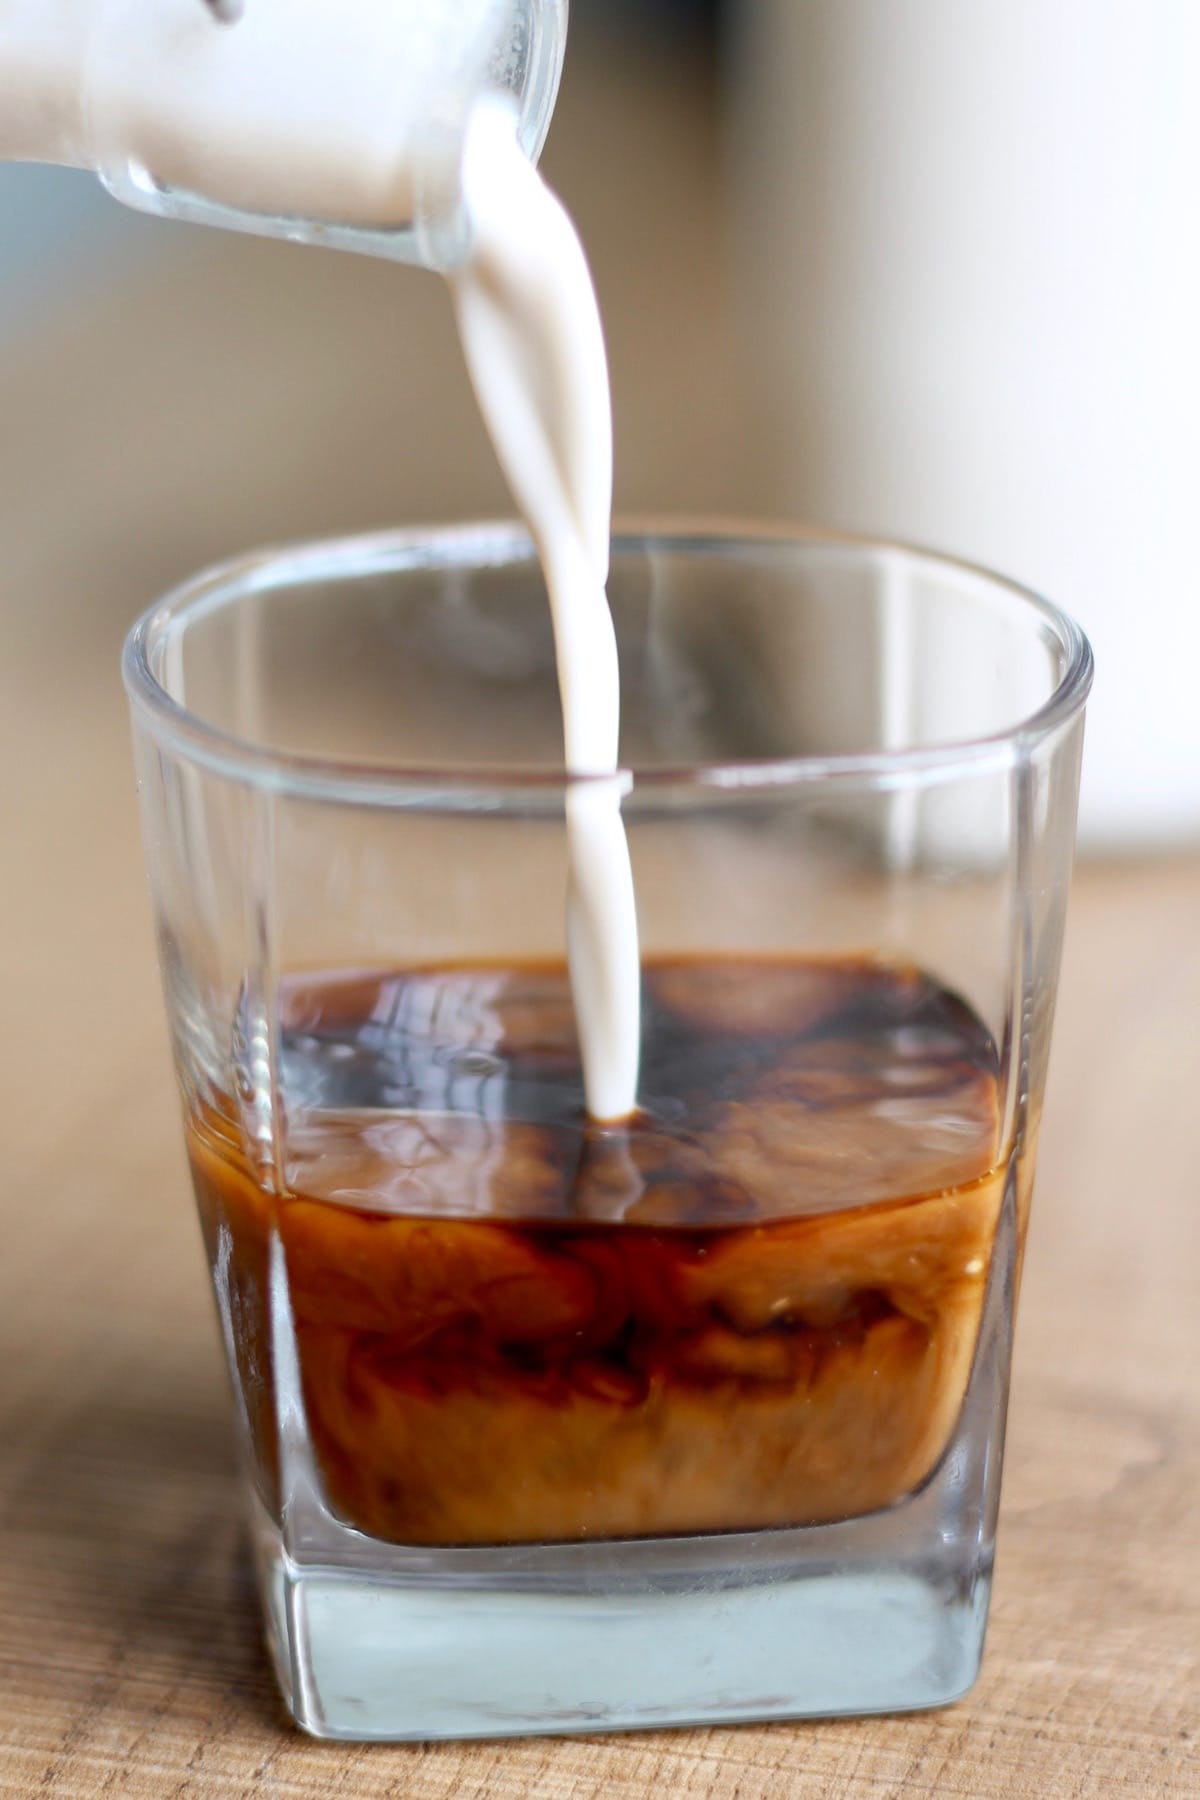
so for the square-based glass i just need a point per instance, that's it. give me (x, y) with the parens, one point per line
(696, 1417)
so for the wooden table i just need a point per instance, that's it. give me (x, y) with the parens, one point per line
(246, 393)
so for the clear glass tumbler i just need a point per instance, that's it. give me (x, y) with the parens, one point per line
(695, 1417)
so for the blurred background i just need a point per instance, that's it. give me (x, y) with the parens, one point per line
(930, 271)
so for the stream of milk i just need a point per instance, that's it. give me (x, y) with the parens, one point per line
(531, 333)
(311, 110)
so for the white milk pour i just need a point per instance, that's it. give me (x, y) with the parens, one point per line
(531, 334)
(309, 108)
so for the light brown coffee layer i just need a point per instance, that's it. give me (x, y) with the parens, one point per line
(757, 1305)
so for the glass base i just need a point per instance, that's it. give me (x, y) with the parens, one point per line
(363, 1657)
(882, 1613)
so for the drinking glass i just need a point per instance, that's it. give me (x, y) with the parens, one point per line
(549, 1426)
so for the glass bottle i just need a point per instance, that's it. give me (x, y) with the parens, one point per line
(338, 125)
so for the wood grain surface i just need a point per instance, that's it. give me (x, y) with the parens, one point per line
(244, 393)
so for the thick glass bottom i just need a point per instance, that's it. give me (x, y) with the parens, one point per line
(360, 1656)
(877, 1614)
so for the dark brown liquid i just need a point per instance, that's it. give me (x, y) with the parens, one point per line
(756, 1304)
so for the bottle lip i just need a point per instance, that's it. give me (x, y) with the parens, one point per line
(543, 73)
(522, 790)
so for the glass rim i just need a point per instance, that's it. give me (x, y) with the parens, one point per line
(502, 543)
